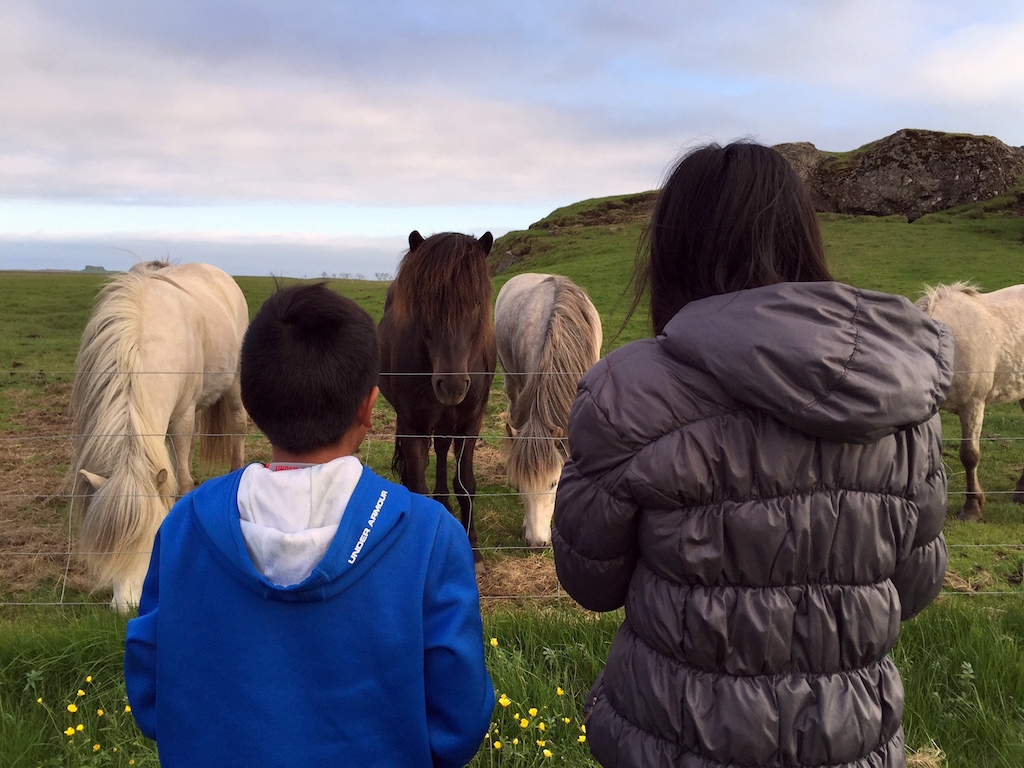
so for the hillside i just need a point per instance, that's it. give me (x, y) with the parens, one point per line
(910, 174)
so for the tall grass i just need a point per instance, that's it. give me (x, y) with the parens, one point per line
(960, 662)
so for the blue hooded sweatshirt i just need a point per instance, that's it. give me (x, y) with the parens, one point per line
(376, 658)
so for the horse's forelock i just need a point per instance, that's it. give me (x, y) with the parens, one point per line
(435, 279)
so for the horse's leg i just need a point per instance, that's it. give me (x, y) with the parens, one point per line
(239, 420)
(465, 491)
(181, 432)
(971, 417)
(413, 450)
(442, 443)
(1018, 491)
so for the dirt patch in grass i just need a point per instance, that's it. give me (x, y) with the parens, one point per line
(37, 558)
(35, 548)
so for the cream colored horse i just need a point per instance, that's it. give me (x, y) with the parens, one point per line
(988, 338)
(548, 334)
(162, 345)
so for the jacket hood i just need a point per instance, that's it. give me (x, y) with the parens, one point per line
(830, 360)
(371, 523)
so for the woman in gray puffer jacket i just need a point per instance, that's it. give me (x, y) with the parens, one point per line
(760, 485)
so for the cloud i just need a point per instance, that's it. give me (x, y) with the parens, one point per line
(401, 103)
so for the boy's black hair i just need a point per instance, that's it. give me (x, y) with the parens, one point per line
(309, 359)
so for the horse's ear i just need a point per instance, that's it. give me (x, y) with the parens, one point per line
(415, 240)
(96, 481)
(161, 477)
(486, 242)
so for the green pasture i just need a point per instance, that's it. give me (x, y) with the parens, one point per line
(962, 660)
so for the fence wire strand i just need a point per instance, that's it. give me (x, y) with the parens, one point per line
(373, 441)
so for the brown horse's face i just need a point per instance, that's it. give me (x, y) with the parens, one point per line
(455, 355)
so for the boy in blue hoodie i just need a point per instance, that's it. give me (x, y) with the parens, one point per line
(309, 612)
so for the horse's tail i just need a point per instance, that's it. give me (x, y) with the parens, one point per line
(540, 413)
(215, 437)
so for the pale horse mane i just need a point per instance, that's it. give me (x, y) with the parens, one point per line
(114, 436)
(540, 413)
(933, 294)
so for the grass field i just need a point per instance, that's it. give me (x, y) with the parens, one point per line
(962, 659)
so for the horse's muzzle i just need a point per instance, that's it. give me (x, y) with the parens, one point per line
(450, 388)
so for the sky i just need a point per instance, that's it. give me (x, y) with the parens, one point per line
(310, 138)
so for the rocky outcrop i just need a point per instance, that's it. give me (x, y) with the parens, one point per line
(909, 173)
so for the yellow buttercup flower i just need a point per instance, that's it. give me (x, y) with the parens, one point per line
(79, 727)
(524, 723)
(88, 679)
(95, 747)
(504, 700)
(494, 642)
(559, 691)
(69, 731)
(99, 713)
(72, 708)
(567, 720)
(583, 728)
(127, 708)
(81, 692)
(515, 741)
(581, 739)
(541, 725)
(39, 700)
(541, 742)
(497, 745)
(547, 753)
(533, 711)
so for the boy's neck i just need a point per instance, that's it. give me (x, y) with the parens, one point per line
(317, 456)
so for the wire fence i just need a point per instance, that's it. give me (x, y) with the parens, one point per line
(55, 443)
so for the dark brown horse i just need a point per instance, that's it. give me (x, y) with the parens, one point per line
(437, 362)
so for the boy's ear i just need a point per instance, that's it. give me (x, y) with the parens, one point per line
(365, 414)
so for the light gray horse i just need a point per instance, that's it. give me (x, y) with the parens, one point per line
(548, 334)
(162, 345)
(988, 338)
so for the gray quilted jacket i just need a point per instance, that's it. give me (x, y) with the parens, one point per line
(762, 488)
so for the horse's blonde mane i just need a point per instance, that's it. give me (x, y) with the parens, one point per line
(542, 407)
(114, 436)
(933, 294)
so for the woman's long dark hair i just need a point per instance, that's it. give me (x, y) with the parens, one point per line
(728, 218)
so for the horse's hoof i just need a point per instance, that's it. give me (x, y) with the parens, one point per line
(970, 514)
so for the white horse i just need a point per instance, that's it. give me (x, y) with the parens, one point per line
(161, 345)
(988, 341)
(548, 334)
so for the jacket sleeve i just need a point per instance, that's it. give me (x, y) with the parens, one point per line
(921, 570)
(140, 650)
(460, 695)
(594, 535)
